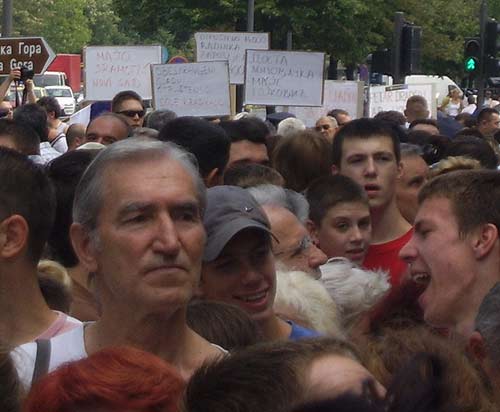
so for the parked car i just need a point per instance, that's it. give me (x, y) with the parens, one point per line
(64, 96)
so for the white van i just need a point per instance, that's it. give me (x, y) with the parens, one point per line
(443, 84)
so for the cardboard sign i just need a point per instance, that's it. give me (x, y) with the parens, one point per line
(346, 95)
(112, 69)
(192, 89)
(286, 78)
(230, 47)
(385, 98)
(32, 53)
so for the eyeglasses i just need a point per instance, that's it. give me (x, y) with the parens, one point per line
(132, 113)
(4, 112)
(304, 244)
(323, 127)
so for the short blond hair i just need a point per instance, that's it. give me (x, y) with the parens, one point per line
(454, 163)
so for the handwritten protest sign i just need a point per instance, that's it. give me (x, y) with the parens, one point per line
(346, 95)
(383, 98)
(111, 69)
(192, 89)
(230, 47)
(284, 78)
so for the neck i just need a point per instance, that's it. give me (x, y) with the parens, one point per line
(388, 223)
(165, 335)
(25, 314)
(274, 328)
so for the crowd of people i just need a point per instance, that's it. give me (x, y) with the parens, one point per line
(151, 262)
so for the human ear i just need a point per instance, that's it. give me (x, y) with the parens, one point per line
(484, 239)
(14, 234)
(313, 231)
(84, 246)
(476, 347)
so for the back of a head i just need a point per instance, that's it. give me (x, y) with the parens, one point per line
(26, 140)
(65, 172)
(290, 126)
(453, 164)
(75, 130)
(433, 146)
(364, 129)
(247, 128)
(35, 117)
(475, 148)
(252, 174)
(50, 104)
(302, 158)
(416, 108)
(271, 380)
(159, 118)
(391, 116)
(25, 190)
(55, 285)
(226, 325)
(117, 378)
(207, 141)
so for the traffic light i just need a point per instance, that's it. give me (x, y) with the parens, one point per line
(381, 62)
(472, 54)
(491, 48)
(410, 49)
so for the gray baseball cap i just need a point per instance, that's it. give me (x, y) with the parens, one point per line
(230, 209)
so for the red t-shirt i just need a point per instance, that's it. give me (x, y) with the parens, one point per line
(386, 256)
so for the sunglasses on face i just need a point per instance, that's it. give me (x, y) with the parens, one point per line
(132, 113)
(4, 112)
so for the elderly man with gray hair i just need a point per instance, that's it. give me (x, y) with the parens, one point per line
(287, 212)
(138, 229)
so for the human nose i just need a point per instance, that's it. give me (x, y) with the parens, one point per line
(316, 257)
(409, 252)
(355, 235)
(370, 167)
(166, 237)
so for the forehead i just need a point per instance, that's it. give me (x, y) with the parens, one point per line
(324, 120)
(368, 146)
(349, 209)
(414, 164)
(284, 224)
(436, 210)
(244, 240)
(129, 104)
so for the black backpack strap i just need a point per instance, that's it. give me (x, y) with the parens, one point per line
(42, 360)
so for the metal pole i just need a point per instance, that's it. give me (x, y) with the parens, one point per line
(483, 18)
(7, 18)
(289, 36)
(250, 15)
(396, 47)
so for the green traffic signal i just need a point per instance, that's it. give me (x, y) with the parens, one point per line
(470, 64)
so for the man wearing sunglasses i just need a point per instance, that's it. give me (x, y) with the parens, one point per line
(129, 104)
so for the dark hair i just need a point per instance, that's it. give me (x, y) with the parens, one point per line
(335, 112)
(467, 119)
(159, 118)
(475, 148)
(117, 116)
(469, 131)
(35, 117)
(25, 190)
(391, 116)
(363, 129)
(329, 191)
(301, 158)
(65, 172)
(207, 141)
(252, 174)
(430, 122)
(120, 97)
(25, 139)
(223, 324)
(50, 104)
(248, 128)
(348, 402)
(433, 146)
(485, 114)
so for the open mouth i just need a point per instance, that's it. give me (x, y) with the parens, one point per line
(421, 278)
(372, 189)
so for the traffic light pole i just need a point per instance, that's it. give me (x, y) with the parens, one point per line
(483, 18)
(396, 47)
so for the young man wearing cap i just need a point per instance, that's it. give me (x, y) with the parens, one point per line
(238, 263)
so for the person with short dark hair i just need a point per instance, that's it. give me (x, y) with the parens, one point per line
(35, 116)
(339, 217)
(474, 148)
(207, 141)
(75, 136)
(427, 125)
(391, 116)
(252, 174)
(455, 249)
(488, 122)
(159, 118)
(108, 128)
(27, 207)
(416, 108)
(57, 129)
(368, 151)
(129, 104)
(340, 115)
(248, 140)
(16, 136)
